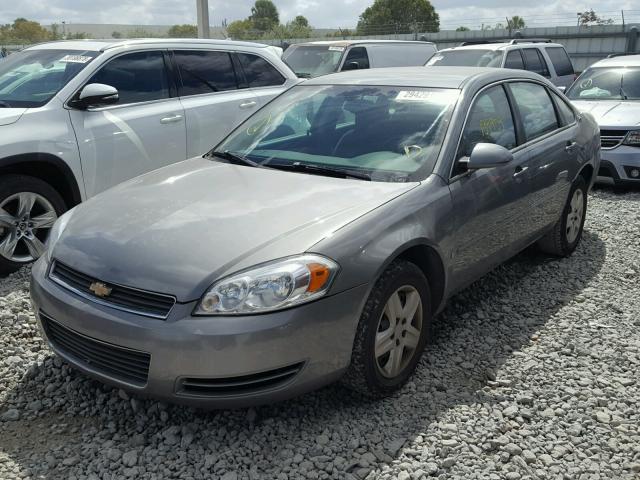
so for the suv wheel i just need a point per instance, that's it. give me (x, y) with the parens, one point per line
(28, 209)
(392, 331)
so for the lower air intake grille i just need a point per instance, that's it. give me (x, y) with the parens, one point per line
(238, 385)
(121, 363)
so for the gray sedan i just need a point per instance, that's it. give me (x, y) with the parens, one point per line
(319, 239)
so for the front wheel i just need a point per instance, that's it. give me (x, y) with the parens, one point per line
(28, 209)
(392, 331)
(566, 234)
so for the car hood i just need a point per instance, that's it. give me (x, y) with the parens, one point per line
(178, 229)
(612, 113)
(10, 115)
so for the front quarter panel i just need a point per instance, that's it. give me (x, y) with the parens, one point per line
(365, 247)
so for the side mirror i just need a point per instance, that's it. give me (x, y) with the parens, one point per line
(351, 66)
(488, 155)
(96, 94)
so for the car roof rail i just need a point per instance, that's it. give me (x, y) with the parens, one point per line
(613, 55)
(481, 42)
(515, 41)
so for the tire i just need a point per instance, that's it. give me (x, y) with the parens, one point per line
(366, 374)
(24, 228)
(565, 236)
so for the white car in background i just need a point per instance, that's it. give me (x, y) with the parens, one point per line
(539, 56)
(78, 117)
(610, 91)
(313, 59)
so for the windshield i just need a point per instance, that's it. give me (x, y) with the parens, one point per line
(32, 77)
(467, 58)
(313, 60)
(613, 83)
(391, 134)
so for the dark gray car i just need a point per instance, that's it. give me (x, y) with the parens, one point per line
(319, 239)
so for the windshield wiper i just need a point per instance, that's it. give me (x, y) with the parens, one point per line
(235, 158)
(319, 170)
(302, 75)
(4, 104)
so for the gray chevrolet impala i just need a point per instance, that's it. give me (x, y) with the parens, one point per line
(319, 239)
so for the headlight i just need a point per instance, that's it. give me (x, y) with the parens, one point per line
(272, 286)
(632, 138)
(56, 231)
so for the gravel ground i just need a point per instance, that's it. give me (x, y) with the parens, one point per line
(534, 372)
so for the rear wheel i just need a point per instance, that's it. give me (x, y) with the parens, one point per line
(566, 234)
(392, 331)
(28, 209)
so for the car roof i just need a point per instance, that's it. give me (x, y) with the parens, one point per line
(501, 46)
(620, 61)
(346, 43)
(434, 77)
(100, 45)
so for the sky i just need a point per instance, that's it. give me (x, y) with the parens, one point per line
(321, 13)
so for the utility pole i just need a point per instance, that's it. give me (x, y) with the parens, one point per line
(202, 7)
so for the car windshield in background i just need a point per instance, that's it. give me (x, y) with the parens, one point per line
(389, 134)
(466, 58)
(611, 83)
(313, 60)
(32, 77)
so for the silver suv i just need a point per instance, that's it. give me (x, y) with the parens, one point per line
(78, 117)
(540, 56)
(610, 91)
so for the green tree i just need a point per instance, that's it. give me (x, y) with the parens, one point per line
(78, 36)
(264, 15)
(183, 31)
(116, 34)
(240, 29)
(300, 21)
(24, 31)
(516, 23)
(462, 29)
(590, 18)
(398, 16)
(139, 32)
(55, 32)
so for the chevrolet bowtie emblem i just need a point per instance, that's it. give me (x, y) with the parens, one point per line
(99, 289)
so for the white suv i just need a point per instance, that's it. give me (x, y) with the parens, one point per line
(78, 117)
(610, 91)
(540, 56)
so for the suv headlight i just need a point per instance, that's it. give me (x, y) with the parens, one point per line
(632, 138)
(272, 286)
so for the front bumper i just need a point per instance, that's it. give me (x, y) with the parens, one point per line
(317, 337)
(617, 163)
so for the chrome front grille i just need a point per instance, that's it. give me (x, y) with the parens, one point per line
(611, 138)
(150, 304)
(131, 366)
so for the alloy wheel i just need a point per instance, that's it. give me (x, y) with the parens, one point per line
(25, 221)
(574, 217)
(398, 332)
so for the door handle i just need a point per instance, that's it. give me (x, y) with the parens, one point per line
(569, 147)
(171, 119)
(519, 171)
(250, 104)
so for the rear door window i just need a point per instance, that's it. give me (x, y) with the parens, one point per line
(204, 71)
(534, 61)
(358, 55)
(514, 60)
(536, 109)
(138, 77)
(258, 72)
(567, 116)
(561, 62)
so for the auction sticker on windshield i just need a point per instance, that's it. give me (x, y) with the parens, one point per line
(336, 49)
(75, 59)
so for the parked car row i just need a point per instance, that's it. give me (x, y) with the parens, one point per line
(328, 223)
